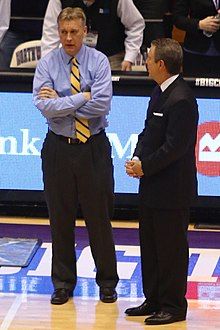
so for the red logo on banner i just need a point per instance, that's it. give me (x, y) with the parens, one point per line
(208, 148)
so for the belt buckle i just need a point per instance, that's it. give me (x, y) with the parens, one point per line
(73, 141)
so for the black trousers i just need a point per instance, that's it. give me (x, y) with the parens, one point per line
(164, 257)
(82, 174)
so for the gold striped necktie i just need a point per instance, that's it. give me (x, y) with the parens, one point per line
(81, 125)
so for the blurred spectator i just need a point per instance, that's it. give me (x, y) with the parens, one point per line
(20, 22)
(114, 27)
(157, 14)
(201, 52)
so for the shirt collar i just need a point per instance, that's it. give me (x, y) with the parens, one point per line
(79, 56)
(168, 82)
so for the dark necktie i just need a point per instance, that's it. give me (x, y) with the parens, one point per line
(155, 96)
(81, 125)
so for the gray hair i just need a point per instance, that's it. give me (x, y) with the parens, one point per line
(69, 14)
(170, 51)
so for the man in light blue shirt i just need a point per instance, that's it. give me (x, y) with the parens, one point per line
(76, 172)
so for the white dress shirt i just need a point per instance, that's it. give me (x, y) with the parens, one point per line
(5, 10)
(129, 15)
(168, 82)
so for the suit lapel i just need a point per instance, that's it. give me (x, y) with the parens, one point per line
(165, 95)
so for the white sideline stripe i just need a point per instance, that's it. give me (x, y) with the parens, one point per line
(11, 313)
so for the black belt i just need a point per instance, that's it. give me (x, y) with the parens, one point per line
(70, 140)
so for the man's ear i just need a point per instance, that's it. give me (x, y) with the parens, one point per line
(162, 64)
(85, 30)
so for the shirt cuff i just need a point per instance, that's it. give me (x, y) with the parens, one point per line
(130, 56)
(135, 158)
(79, 100)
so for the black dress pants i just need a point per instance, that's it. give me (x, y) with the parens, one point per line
(82, 174)
(164, 257)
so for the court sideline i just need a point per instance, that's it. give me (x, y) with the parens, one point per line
(24, 303)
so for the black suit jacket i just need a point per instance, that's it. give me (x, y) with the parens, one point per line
(166, 148)
(186, 16)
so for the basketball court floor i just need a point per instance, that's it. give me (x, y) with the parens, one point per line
(25, 291)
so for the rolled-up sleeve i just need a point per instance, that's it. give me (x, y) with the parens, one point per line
(134, 26)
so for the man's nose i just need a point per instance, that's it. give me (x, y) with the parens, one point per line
(69, 36)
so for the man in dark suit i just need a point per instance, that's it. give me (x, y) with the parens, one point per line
(202, 40)
(164, 160)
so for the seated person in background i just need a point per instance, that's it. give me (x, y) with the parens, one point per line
(16, 31)
(202, 39)
(114, 27)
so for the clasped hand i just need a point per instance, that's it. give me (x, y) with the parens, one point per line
(134, 168)
(47, 93)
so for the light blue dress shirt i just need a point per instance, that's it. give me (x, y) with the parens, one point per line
(53, 70)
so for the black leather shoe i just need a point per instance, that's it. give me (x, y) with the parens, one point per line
(163, 318)
(108, 295)
(60, 296)
(143, 309)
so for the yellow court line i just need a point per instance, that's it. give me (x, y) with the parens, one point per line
(80, 222)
